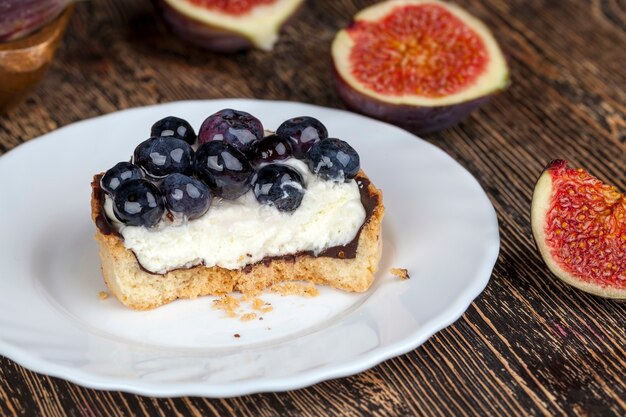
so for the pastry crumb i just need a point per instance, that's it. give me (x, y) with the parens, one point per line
(295, 288)
(248, 317)
(401, 273)
(249, 306)
(228, 304)
(237, 335)
(233, 305)
(103, 295)
(249, 296)
(262, 306)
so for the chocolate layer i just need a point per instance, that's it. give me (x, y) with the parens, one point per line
(347, 251)
(102, 221)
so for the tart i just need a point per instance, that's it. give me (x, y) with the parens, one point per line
(235, 208)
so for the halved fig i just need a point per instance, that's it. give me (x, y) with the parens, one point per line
(579, 225)
(423, 63)
(228, 26)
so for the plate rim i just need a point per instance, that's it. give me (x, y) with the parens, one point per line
(297, 380)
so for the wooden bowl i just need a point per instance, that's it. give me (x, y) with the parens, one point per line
(24, 62)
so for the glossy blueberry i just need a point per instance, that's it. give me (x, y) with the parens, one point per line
(238, 128)
(271, 148)
(172, 126)
(118, 175)
(161, 156)
(224, 169)
(185, 197)
(333, 159)
(280, 186)
(302, 132)
(138, 203)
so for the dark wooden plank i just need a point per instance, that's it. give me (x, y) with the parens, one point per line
(529, 345)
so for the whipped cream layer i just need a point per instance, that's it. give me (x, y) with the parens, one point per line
(235, 233)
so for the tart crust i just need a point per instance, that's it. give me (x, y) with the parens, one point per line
(141, 290)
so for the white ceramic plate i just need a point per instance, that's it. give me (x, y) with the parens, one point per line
(439, 224)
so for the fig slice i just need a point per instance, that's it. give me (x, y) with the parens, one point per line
(423, 63)
(228, 26)
(579, 226)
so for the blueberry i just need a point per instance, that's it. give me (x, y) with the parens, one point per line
(138, 203)
(238, 128)
(333, 159)
(118, 175)
(271, 148)
(224, 169)
(280, 186)
(174, 127)
(185, 197)
(161, 156)
(302, 132)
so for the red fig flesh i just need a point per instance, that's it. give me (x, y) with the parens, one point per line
(420, 62)
(237, 7)
(579, 225)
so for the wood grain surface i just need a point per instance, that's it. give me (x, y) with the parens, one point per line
(528, 345)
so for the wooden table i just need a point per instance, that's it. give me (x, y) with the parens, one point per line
(529, 345)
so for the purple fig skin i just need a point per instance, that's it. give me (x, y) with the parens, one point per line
(200, 34)
(421, 118)
(20, 18)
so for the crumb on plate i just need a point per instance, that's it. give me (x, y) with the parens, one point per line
(401, 273)
(248, 306)
(305, 289)
(262, 306)
(249, 296)
(248, 317)
(228, 304)
(103, 295)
